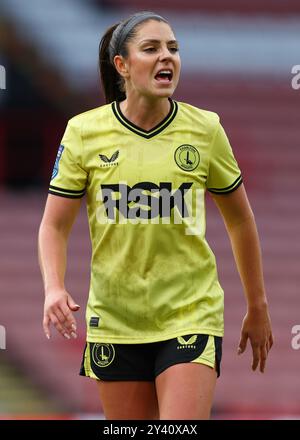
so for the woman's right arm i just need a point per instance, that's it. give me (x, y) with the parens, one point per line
(58, 218)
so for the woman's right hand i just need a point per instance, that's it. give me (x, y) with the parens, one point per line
(58, 309)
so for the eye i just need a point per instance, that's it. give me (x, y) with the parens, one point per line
(150, 49)
(174, 49)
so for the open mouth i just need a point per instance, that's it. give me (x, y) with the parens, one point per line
(164, 76)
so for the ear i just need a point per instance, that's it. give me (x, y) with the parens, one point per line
(121, 66)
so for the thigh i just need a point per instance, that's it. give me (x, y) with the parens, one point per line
(186, 369)
(185, 391)
(124, 375)
(128, 400)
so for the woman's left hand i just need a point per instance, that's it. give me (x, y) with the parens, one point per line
(257, 327)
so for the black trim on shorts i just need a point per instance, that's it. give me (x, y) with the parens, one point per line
(218, 347)
(82, 371)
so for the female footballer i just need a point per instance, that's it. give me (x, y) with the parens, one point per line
(155, 308)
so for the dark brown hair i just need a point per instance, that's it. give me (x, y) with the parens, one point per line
(114, 42)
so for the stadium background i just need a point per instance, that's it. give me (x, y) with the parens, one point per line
(237, 59)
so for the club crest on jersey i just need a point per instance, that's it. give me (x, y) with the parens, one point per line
(109, 161)
(187, 157)
(58, 157)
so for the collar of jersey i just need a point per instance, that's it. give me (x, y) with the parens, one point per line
(140, 131)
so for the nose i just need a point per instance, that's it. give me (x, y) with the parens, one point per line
(165, 53)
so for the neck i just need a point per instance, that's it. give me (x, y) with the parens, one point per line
(143, 112)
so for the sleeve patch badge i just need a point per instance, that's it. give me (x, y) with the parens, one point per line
(55, 168)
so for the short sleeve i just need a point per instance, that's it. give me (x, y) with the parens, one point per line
(224, 175)
(69, 177)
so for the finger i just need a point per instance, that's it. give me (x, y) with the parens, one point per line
(269, 344)
(70, 322)
(59, 315)
(263, 359)
(69, 318)
(256, 356)
(271, 341)
(243, 343)
(59, 327)
(62, 320)
(73, 306)
(46, 328)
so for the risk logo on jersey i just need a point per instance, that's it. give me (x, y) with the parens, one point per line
(145, 200)
(109, 161)
(58, 157)
(187, 157)
(150, 202)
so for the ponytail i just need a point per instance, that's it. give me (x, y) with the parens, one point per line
(110, 79)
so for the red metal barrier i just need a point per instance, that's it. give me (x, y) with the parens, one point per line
(28, 145)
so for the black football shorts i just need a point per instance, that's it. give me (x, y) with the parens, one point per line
(143, 362)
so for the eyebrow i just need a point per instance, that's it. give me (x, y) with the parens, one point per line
(152, 40)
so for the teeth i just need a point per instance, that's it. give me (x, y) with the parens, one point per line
(165, 71)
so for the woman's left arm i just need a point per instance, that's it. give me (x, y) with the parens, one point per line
(241, 227)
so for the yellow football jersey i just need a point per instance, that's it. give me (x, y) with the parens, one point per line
(153, 274)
